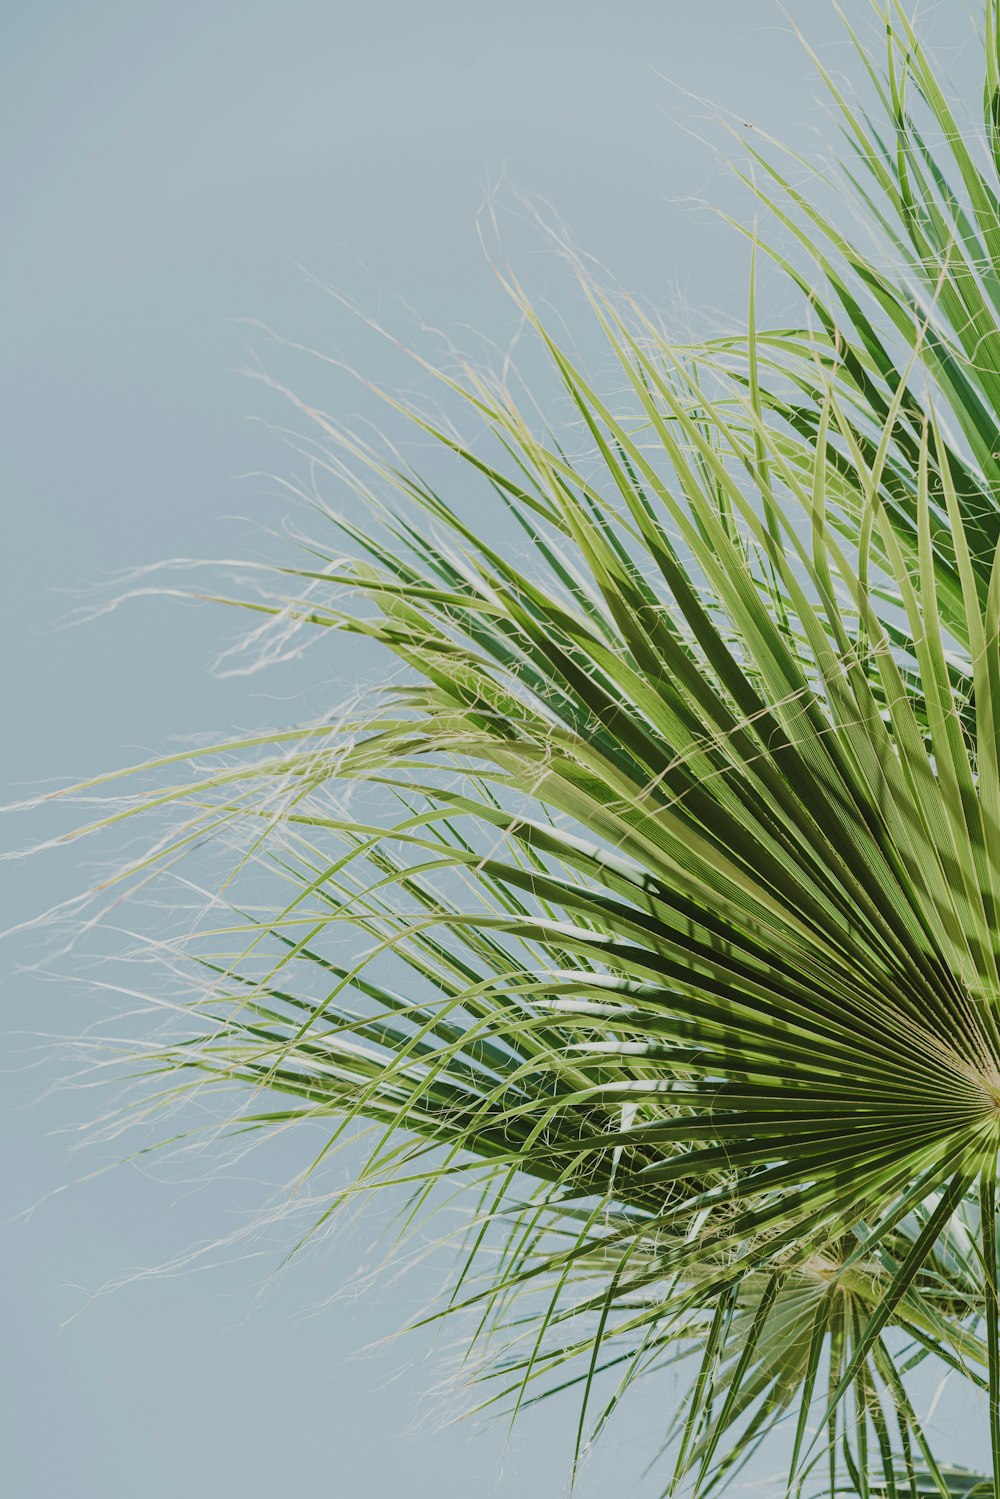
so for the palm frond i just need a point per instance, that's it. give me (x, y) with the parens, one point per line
(655, 903)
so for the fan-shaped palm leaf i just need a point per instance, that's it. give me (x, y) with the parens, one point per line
(675, 915)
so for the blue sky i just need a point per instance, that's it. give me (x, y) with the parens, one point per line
(171, 174)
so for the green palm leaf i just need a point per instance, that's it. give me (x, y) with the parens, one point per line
(670, 919)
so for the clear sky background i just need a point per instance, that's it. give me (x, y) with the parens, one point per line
(167, 172)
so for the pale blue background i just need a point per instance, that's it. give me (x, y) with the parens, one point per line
(165, 170)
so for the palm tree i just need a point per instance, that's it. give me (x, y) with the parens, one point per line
(654, 906)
